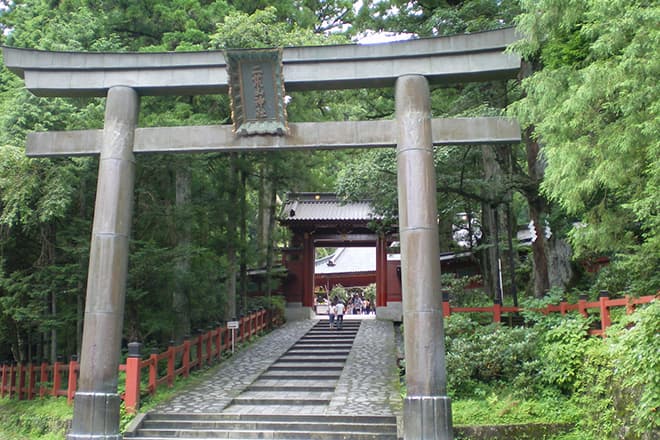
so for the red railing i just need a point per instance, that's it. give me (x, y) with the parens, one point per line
(142, 376)
(602, 308)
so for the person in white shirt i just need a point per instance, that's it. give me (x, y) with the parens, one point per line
(339, 308)
(331, 314)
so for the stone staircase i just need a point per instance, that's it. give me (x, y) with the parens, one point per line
(287, 401)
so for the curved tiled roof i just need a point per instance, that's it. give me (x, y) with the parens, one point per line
(324, 207)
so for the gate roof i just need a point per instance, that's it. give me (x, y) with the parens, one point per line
(323, 208)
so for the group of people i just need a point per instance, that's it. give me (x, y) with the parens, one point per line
(356, 305)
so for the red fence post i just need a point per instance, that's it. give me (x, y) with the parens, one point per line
(12, 381)
(32, 379)
(563, 306)
(209, 347)
(497, 311)
(73, 379)
(171, 357)
(20, 383)
(630, 306)
(43, 379)
(241, 329)
(605, 320)
(57, 379)
(199, 342)
(582, 306)
(218, 342)
(153, 372)
(3, 380)
(186, 357)
(446, 307)
(227, 337)
(133, 370)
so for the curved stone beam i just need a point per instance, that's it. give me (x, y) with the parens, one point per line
(468, 57)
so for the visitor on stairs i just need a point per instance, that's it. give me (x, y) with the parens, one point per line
(331, 314)
(339, 309)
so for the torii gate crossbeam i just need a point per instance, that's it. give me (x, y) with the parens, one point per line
(123, 77)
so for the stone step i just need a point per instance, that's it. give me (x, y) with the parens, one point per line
(316, 352)
(272, 426)
(316, 388)
(301, 400)
(260, 434)
(293, 369)
(302, 418)
(295, 382)
(323, 345)
(329, 338)
(295, 375)
(318, 424)
(312, 358)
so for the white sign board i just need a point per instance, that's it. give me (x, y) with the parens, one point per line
(232, 324)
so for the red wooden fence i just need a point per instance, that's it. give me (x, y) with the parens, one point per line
(601, 307)
(142, 376)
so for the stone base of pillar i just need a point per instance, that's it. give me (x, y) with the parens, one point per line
(295, 311)
(96, 417)
(427, 417)
(393, 311)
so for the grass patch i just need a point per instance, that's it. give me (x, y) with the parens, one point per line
(504, 410)
(46, 419)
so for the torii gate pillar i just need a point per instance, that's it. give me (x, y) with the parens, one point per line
(427, 409)
(96, 404)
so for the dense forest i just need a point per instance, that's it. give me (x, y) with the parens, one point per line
(586, 176)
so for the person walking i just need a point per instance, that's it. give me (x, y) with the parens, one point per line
(339, 310)
(331, 314)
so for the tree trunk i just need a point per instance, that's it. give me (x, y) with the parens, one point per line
(490, 223)
(265, 195)
(232, 219)
(270, 239)
(243, 239)
(537, 205)
(180, 292)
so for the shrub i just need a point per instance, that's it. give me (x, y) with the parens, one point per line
(619, 385)
(562, 350)
(489, 355)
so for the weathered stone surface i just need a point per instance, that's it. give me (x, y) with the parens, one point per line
(306, 135)
(427, 410)
(458, 58)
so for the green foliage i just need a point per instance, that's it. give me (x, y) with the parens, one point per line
(46, 419)
(499, 408)
(594, 106)
(483, 356)
(562, 351)
(633, 346)
(340, 292)
(276, 304)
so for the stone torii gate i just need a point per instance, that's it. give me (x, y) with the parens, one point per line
(123, 77)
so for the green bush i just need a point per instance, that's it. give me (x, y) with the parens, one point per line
(488, 355)
(275, 303)
(619, 384)
(562, 350)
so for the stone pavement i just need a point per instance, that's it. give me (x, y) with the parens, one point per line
(368, 385)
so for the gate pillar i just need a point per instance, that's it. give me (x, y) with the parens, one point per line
(427, 409)
(96, 404)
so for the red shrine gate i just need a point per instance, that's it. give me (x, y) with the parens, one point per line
(322, 220)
